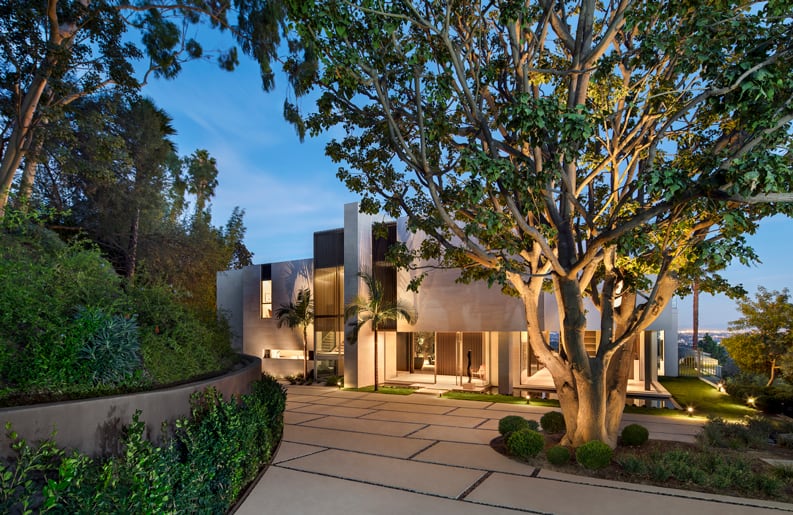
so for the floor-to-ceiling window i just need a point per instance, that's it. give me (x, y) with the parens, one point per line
(329, 301)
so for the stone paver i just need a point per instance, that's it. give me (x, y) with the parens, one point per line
(359, 425)
(575, 498)
(360, 442)
(456, 434)
(289, 451)
(414, 476)
(440, 420)
(283, 491)
(352, 452)
(339, 411)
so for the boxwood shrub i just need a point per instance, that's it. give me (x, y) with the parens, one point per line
(553, 422)
(594, 455)
(525, 443)
(558, 455)
(634, 435)
(512, 423)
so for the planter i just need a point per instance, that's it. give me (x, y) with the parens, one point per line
(418, 363)
(94, 426)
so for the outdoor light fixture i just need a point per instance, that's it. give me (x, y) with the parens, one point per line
(720, 387)
(750, 401)
(339, 383)
(690, 411)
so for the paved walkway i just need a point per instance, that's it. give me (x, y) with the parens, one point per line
(350, 453)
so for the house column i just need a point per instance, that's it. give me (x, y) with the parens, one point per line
(508, 361)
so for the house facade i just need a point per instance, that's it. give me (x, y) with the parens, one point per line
(465, 336)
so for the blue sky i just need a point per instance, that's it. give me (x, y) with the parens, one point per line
(289, 189)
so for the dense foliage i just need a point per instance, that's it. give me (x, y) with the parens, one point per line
(68, 326)
(611, 150)
(202, 468)
(58, 52)
(764, 339)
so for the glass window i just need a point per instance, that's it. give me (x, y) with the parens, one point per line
(267, 299)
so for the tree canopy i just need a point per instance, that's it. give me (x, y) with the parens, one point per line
(57, 51)
(612, 149)
(764, 339)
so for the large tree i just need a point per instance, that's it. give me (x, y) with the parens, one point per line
(764, 334)
(613, 149)
(54, 52)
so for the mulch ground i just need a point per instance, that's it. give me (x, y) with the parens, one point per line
(653, 447)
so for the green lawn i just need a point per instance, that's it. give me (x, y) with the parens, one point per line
(687, 391)
(392, 390)
(484, 397)
(706, 400)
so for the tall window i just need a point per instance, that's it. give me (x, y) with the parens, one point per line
(329, 293)
(267, 299)
(267, 291)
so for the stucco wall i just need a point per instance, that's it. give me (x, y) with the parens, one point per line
(446, 305)
(260, 333)
(93, 426)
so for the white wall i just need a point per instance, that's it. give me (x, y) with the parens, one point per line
(239, 295)
(445, 305)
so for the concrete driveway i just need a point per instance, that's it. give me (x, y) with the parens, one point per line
(349, 453)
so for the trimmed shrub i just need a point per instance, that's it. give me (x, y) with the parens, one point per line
(525, 443)
(202, 468)
(558, 455)
(594, 455)
(553, 422)
(634, 435)
(512, 423)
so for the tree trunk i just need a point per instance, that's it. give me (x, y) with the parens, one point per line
(591, 391)
(305, 354)
(586, 408)
(132, 248)
(20, 134)
(773, 373)
(375, 359)
(695, 328)
(29, 173)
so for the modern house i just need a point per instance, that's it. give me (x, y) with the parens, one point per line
(459, 325)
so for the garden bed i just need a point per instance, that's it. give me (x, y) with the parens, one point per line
(684, 466)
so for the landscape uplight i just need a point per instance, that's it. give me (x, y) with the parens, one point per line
(750, 401)
(690, 411)
(339, 383)
(720, 387)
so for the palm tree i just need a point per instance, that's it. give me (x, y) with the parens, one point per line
(377, 310)
(298, 314)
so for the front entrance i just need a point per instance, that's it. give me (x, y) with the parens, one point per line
(422, 357)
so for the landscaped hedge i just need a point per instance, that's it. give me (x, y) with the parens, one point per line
(70, 327)
(202, 467)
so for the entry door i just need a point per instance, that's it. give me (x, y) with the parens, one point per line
(447, 356)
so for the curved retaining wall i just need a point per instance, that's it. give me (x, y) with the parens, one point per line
(94, 426)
